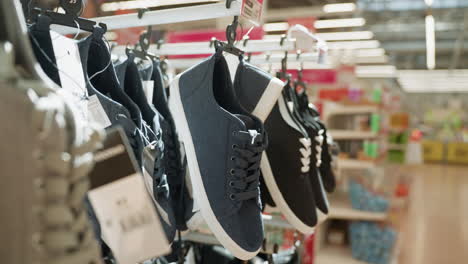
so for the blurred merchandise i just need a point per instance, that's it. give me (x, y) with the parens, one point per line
(363, 199)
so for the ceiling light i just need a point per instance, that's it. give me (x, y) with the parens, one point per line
(363, 44)
(353, 35)
(430, 43)
(339, 23)
(429, 2)
(376, 71)
(370, 52)
(281, 26)
(125, 5)
(336, 8)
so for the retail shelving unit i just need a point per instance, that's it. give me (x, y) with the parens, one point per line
(340, 204)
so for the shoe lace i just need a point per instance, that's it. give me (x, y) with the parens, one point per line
(305, 152)
(245, 173)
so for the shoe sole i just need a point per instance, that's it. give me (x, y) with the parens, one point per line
(279, 199)
(199, 192)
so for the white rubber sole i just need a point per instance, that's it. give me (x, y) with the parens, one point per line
(199, 192)
(279, 199)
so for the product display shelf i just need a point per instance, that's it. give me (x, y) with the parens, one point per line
(350, 110)
(344, 164)
(339, 134)
(341, 209)
(336, 255)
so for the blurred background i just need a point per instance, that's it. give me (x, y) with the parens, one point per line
(393, 93)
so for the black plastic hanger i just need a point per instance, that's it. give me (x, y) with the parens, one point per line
(231, 35)
(73, 10)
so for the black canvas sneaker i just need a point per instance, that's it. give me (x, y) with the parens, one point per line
(326, 170)
(316, 135)
(224, 145)
(257, 90)
(289, 149)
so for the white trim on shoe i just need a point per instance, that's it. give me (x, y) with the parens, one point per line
(279, 199)
(268, 99)
(176, 106)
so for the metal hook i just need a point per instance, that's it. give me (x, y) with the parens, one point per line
(228, 3)
(246, 39)
(212, 41)
(283, 38)
(231, 31)
(141, 12)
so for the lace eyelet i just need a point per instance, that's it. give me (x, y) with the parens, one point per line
(234, 146)
(232, 197)
(233, 158)
(232, 171)
(231, 184)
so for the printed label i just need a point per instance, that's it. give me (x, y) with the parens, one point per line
(71, 74)
(148, 88)
(97, 113)
(129, 221)
(252, 10)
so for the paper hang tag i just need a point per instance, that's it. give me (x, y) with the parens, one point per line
(148, 88)
(96, 112)
(71, 74)
(252, 10)
(128, 219)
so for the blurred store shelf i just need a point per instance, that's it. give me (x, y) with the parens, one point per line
(336, 255)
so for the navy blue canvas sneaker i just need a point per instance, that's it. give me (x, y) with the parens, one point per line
(175, 163)
(153, 154)
(224, 145)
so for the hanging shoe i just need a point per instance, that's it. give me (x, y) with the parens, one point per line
(316, 135)
(286, 162)
(181, 198)
(224, 145)
(311, 114)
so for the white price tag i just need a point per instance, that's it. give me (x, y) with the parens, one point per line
(97, 113)
(128, 219)
(71, 74)
(127, 216)
(148, 88)
(252, 10)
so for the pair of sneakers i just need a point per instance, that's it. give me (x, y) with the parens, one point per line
(224, 143)
(292, 165)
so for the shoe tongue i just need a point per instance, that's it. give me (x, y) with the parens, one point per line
(248, 122)
(250, 126)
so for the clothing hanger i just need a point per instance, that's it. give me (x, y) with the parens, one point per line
(73, 10)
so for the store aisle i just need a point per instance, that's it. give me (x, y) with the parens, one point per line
(437, 229)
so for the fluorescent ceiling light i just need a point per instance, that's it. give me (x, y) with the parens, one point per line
(353, 35)
(376, 71)
(280, 26)
(125, 5)
(370, 52)
(429, 2)
(339, 23)
(430, 43)
(433, 81)
(363, 44)
(337, 8)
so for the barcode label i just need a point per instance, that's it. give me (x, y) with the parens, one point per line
(252, 10)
